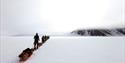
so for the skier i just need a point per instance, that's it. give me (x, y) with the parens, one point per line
(44, 38)
(36, 41)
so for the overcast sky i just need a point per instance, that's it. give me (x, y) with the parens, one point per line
(48, 16)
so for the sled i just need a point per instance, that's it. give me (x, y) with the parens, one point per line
(26, 54)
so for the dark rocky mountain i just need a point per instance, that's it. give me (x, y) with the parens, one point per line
(100, 32)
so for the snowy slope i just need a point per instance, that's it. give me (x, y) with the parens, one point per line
(11, 47)
(65, 50)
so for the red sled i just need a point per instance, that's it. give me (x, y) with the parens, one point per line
(26, 54)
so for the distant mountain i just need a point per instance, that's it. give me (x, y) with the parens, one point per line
(100, 32)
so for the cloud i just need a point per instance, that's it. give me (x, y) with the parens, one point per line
(30, 16)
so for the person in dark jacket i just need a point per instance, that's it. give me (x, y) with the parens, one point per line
(44, 38)
(36, 41)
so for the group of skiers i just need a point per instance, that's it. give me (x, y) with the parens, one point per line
(36, 40)
(29, 51)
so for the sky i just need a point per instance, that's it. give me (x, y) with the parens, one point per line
(56, 16)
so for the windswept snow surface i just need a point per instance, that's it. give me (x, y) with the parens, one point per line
(65, 50)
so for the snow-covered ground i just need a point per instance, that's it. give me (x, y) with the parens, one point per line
(65, 50)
